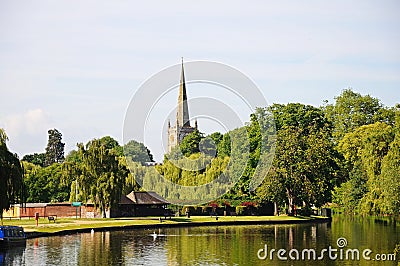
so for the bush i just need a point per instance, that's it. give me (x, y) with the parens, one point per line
(226, 204)
(214, 205)
(193, 210)
(248, 204)
(240, 210)
(305, 211)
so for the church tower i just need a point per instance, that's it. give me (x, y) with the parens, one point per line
(182, 126)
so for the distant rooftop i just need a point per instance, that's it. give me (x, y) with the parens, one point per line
(143, 198)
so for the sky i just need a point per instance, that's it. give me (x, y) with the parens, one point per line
(75, 65)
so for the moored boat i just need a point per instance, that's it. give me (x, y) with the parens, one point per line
(10, 235)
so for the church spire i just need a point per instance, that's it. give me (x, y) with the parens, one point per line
(182, 127)
(182, 115)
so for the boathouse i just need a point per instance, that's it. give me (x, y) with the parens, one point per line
(140, 203)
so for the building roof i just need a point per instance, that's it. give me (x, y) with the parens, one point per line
(143, 198)
(33, 205)
(59, 204)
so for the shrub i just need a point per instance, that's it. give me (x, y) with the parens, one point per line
(214, 205)
(226, 204)
(248, 204)
(240, 210)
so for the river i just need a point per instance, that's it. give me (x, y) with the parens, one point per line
(345, 238)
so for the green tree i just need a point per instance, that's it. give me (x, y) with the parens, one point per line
(352, 110)
(249, 144)
(100, 175)
(224, 146)
(304, 167)
(36, 158)
(137, 152)
(208, 146)
(290, 164)
(55, 148)
(73, 156)
(109, 143)
(11, 176)
(216, 137)
(364, 150)
(45, 184)
(71, 173)
(253, 147)
(389, 179)
(322, 168)
(297, 115)
(272, 190)
(349, 194)
(137, 172)
(390, 174)
(190, 143)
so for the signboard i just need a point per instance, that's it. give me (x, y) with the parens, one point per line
(76, 204)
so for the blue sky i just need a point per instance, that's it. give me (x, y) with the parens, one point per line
(75, 65)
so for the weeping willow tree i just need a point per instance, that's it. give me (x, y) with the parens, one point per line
(99, 173)
(11, 176)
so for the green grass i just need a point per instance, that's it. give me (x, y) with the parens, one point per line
(63, 224)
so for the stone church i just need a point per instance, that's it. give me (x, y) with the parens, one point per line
(182, 125)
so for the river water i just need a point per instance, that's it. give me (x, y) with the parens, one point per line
(220, 245)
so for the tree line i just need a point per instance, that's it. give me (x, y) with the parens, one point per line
(94, 172)
(346, 153)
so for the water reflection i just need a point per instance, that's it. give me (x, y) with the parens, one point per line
(224, 245)
(12, 255)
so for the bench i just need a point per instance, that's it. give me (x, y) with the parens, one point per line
(52, 218)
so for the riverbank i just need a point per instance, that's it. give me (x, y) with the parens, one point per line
(64, 226)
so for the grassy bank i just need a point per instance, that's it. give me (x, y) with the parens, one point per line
(72, 224)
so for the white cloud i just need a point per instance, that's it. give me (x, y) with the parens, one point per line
(27, 132)
(30, 122)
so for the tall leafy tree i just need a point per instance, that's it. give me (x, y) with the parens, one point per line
(190, 144)
(55, 148)
(352, 110)
(45, 184)
(297, 115)
(349, 194)
(36, 158)
(304, 167)
(137, 152)
(11, 176)
(216, 137)
(224, 146)
(110, 143)
(390, 173)
(252, 147)
(73, 156)
(364, 150)
(272, 189)
(100, 174)
(137, 172)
